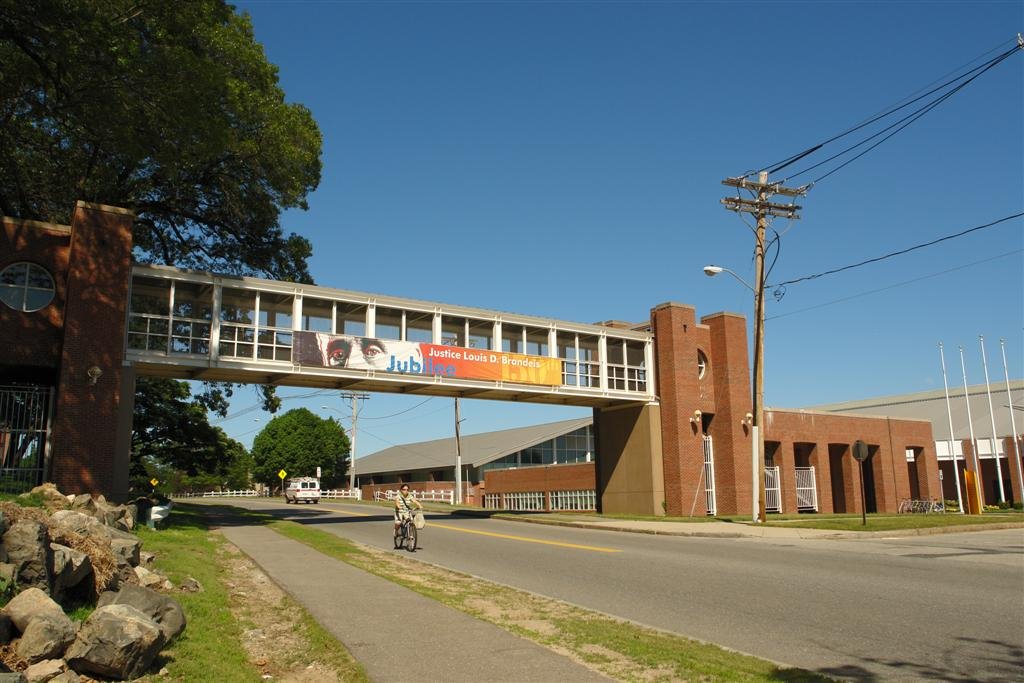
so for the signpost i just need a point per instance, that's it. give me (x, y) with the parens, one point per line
(860, 452)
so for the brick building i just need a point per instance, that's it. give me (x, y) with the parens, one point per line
(670, 427)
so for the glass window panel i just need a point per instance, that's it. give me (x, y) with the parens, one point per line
(388, 323)
(536, 342)
(180, 345)
(481, 334)
(419, 327)
(316, 315)
(157, 326)
(182, 328)
(238, 306)
(200, 346)
(351, 319)
(634, 354)
(265, 352)
(243, 350)
(615, 351)
(38, 277)
(566, 345)
(12, 296)
(156, 343)
(512, 338)
(136, 324)
(14, 274)
(201, 330)
(266, 336)
(284, 338)
(37, 298)
(137, 341)
(150, 295)
(275, 310)
(453, 331)
(193, 300)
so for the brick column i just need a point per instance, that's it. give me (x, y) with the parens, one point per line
(786, 460)
(85, 425)
(1012, 458)
(822, 477)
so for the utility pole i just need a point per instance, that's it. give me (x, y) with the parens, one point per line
(762, 209)
(355, 417)
(458, 456)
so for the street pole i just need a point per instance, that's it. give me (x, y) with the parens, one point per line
(352, 467)
(762, 209)
(992, 417)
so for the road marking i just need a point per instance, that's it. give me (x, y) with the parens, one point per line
(576, 546)
(354, 514)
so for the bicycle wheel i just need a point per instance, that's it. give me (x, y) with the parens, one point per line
(398, 538)
(411, 538)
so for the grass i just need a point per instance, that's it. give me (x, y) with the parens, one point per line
(210, 648)
(892, 522)
(620, 649)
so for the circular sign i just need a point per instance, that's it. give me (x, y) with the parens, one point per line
(860, 450)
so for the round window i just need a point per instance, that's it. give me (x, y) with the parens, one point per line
(702, 364)
(26, 287)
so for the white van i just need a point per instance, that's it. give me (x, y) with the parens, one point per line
(302, 490)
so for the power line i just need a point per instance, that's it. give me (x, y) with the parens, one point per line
(894, 286)
(892, 109)
(898, 253)
(401, 412)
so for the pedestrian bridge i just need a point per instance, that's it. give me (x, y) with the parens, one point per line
(204, 326)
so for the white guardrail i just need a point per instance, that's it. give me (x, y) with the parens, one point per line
(422, 496)
(354, 494)
(246, 493)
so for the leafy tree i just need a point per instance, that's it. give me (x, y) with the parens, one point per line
(173, 440)
(298, 442)
(167, 108)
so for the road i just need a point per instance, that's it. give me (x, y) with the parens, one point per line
(928, 607)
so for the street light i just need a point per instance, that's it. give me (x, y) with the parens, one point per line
(757, 435)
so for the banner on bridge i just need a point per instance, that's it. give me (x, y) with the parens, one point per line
(414, 358)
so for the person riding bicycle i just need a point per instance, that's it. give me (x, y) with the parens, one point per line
(405, 503)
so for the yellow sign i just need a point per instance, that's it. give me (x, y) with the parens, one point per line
(282, 474)
(154, 481)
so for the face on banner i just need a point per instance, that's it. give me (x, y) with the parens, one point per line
(414, 358)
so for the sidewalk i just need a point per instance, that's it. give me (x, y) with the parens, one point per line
(396, 634)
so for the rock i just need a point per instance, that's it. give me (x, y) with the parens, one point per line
(147, 578)
(82, 500)
(68, 676)
(28, 547)
(79, 523)
(3, 524)
(12, 677)
(165, 611)
(106, 598)
(31, 603)
(190, 585)
(52, 498)
(44, 671)
(6, 628)
(126, 548)
(146, 559)
(8, 573)
(117, 641)
(46, 637)
(70, 568)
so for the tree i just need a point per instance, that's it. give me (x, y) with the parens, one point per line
(167, 108)
(172, 440)
(298, 442)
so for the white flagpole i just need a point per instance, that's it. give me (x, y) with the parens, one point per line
(952, 446)
(1013, 422)
(980, 488)
(992, 417)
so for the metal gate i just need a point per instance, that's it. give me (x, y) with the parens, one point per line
(772, 490)
(24, 431)
(806, 489)
(709, 477)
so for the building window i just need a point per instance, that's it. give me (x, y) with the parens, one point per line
(702, 364)
(26, 287)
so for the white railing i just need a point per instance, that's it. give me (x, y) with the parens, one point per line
(492, 501)
(573, 500)
(422, 496)
(353, 494)
(806, 489)
(243, 493)
(772, 490)
(525, 500)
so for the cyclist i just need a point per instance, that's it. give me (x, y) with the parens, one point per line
(405, 503)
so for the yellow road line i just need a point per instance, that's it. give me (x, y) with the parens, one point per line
(525, 539)
(594, 548)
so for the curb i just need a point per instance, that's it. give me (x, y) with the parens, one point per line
(799, 531)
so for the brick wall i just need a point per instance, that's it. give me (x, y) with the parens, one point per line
(85, 420)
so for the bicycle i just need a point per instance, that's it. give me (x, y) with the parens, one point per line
(406, 535)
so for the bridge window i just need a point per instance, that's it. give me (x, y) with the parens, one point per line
(238, 323)
(26, 287)
(148, 314)
(589, 361)
(419, 327)
(453, 331)
(190, 318)
(481, 334)
(513, 339)
(389, 323)
(316, 315)
(274, 338)
(536, 341)
(636, 371)
(350, 319)
(566, 349)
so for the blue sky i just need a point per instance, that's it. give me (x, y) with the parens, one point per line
(564, 159)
